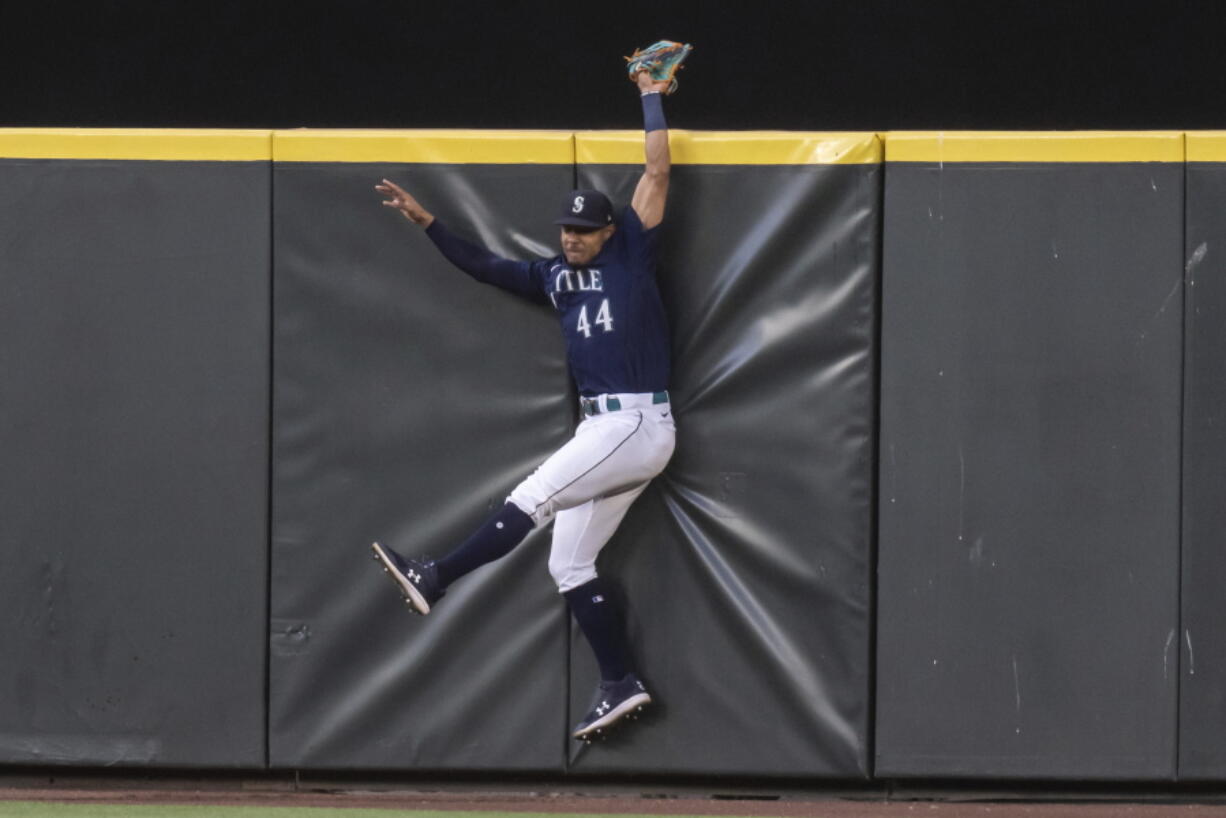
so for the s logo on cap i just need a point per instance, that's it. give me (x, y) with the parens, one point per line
(578, 208)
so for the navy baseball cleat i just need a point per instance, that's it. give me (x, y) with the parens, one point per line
(614, 701)
(417, 581)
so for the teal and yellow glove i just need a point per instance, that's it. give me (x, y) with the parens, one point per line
(661, 60)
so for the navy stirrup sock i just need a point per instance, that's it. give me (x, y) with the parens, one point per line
(600, 622)
(495, 538)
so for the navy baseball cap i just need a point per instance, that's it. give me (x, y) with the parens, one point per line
(586, 208)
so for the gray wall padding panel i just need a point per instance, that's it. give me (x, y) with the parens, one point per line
(746, 566)
(1202, 752)
(134, 363)
(409, 400)
(1029, 471)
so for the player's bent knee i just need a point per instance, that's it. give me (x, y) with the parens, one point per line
(567, 576)
(526, 505)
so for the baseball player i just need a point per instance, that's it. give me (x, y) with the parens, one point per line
(603, 289)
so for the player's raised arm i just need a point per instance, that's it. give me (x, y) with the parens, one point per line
(478, 262)
(652, 190)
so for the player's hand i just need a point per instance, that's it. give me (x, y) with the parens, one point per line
(646, 83)
(400, 199)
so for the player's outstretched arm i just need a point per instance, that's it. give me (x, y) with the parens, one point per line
(400, 199)
(478, 262)
(652, 190)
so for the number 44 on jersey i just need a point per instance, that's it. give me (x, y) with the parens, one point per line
(603, 318)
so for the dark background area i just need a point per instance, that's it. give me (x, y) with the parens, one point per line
(819, 65)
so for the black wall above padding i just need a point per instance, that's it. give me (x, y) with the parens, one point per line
(134, 370)
(871, 64)
(1029, 470)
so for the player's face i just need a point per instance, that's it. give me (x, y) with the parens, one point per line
(581, 244)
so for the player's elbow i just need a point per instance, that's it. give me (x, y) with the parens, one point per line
(655, 180)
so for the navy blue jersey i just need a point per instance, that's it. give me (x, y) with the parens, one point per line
(610, 310)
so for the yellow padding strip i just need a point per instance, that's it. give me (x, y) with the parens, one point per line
(1207, 146)
(610, 147)
(1039, 146)
(732, 148)
(442, 146)
(135, 143)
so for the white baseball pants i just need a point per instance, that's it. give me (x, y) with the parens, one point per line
(590, 482)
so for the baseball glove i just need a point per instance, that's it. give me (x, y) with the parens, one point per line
(661, 60)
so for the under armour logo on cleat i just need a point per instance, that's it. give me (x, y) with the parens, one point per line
(414, 576)
(604, 708)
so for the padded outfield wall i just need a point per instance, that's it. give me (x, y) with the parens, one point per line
(760, 528)
(410, 399)
(1202, 753)
(134, 394)
(1032, 347)
(231, 369)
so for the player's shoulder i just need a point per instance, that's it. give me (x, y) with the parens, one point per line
(629, 218)
(546, 262)
(542, 268)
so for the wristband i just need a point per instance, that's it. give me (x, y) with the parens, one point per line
(653, 112)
